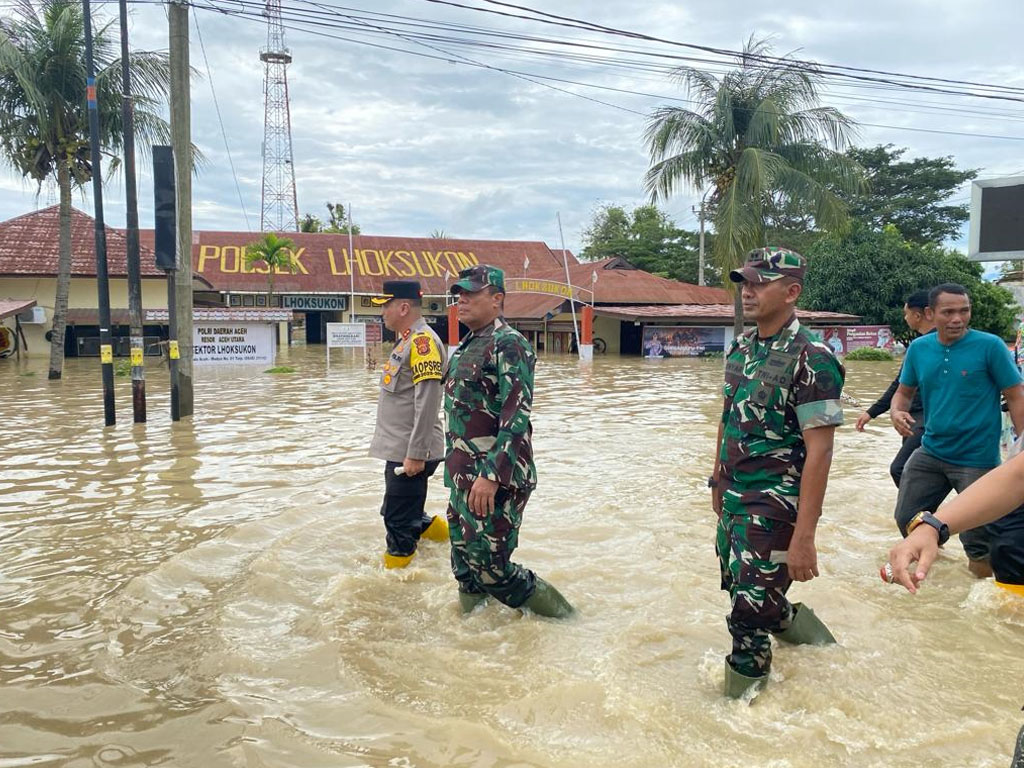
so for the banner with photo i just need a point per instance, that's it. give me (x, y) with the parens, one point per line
(845, 339)
(682, 341)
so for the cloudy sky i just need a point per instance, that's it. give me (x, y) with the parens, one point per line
(418, 144)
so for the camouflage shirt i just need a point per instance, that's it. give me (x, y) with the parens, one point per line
(488, 393)
(775, 389)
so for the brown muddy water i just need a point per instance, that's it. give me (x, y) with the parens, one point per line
(209, 593)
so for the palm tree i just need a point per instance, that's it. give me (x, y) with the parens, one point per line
(757, 141)
(276, 252)
(44, 121)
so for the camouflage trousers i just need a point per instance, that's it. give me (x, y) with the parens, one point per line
(751, 555)
(482, 547)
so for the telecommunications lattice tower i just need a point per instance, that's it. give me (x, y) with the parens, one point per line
(279, 207)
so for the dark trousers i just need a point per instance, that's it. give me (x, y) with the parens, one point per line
(926, 482)
(910, 444)
(1007, 547)
(404, 499)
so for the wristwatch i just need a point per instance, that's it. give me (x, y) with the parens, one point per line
(929, 519)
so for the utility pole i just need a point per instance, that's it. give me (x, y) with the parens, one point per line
(700, 253)
(132, 231)
(181, 141)
(100, 232)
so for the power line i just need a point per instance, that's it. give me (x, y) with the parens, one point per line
(528, 76)
(223, 133)
(583, 24)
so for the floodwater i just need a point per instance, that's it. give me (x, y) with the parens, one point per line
(209, 593)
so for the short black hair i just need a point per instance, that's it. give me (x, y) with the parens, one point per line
(938, 290)
(918, 300)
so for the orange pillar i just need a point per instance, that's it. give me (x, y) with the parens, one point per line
(587, 325)
(453, 326)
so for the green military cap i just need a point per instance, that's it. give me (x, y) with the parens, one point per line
(478, 277)
(770, 263)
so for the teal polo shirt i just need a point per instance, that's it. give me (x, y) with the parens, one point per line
(960, 385)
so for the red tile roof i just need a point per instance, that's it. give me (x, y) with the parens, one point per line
(691, 312)
(531, 306)
(10, 307)
(29, 246)
(322, 261)
(620, 283)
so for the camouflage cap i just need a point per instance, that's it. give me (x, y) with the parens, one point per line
(770, 263)
(478, 277)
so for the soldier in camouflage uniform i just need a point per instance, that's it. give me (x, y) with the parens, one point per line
(488, 393)
(782, 405)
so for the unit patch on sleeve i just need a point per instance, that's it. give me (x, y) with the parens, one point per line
(424, 359)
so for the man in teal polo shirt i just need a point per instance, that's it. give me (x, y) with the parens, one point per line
(960, 373)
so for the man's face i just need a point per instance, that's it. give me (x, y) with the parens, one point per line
(952, 315)
(394, 312)
(478, 308)
(913, 317)
(762, 301)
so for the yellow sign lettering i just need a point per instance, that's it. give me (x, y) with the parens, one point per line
(334, 264)
(206, 253)
(234, 265)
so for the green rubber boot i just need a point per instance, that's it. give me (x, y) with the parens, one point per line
(470, 600)
(548, 601)
(736, 684)
(806, 629)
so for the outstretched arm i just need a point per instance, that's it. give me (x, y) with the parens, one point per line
(989, 498)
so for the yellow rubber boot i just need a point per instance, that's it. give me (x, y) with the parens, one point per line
(437, 530)
(397, 561)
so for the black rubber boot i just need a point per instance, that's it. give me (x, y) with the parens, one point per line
(806, 628)
(1018, 753)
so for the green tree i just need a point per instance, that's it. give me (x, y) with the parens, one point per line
(911, 195)
(870, 273)
(274, 252)
(44, 121)
(336, 222)
(648, 239)
(757, 140)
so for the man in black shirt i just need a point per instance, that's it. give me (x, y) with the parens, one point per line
(916, 317)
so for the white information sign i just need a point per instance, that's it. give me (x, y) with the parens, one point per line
(226, 342)
(346, 334)
(352, 335)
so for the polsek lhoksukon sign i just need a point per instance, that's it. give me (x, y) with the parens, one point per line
(237, 343)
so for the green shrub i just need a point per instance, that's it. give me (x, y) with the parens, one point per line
(869, 353)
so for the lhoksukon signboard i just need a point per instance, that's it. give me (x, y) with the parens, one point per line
(682, 341)
(997, 219)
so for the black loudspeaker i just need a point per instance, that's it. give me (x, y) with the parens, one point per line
(165, 208)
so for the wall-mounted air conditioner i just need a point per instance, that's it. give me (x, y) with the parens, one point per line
(33, 316)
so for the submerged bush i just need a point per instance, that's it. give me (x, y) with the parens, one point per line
(869, 353)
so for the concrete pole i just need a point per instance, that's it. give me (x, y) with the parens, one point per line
(132, 228)
(181, 141)
(700, 256)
